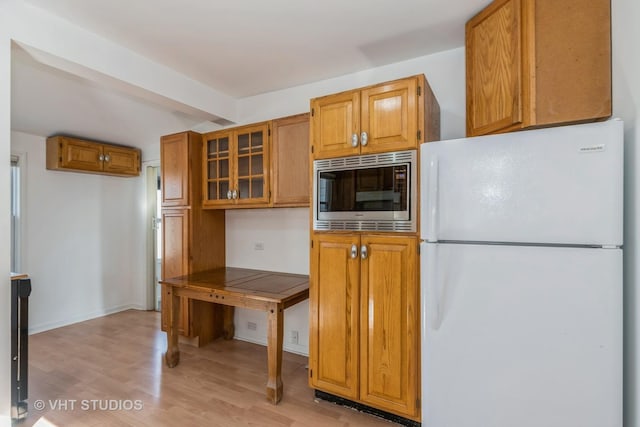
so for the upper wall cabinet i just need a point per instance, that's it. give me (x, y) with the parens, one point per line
(180, 173)
(78, 155)
(290, 161)
(391, 116)
(536, 63)
(236, 167)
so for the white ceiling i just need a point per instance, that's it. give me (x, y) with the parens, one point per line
(240, 48)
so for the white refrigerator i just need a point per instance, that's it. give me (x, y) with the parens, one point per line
(521, 278)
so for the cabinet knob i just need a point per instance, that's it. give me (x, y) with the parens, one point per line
(107, 158)
(229, 194)
(364, 139)
(363, 252)
(354, 251)
(354, 140)
(235, 194)
(101, 157)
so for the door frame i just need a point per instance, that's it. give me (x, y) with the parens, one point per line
(151, 185)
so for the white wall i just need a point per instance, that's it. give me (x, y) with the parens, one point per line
(626, 104)
(82, 244)
(284, 233)
(5, 291)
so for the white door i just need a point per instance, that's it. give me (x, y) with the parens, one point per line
(521, 336)
(558, 185)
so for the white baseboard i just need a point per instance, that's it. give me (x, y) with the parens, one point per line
(34, 329)
(299, 349)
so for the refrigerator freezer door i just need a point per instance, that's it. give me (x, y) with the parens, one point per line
(521, 336)
(559, 185)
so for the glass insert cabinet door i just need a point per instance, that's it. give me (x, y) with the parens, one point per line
(217, 167)
(237, 166)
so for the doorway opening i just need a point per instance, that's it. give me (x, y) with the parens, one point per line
(158, 247)
(154, 198)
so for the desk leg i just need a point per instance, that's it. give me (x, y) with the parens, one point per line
(172, 356)
(274, 352)
(227, 315)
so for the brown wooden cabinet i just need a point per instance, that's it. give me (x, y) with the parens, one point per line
(236, 167)
(290, 161)
(193, 239)
(334, 302)
(176, 159)
(536, 63)
(175, 257)
(79, 155)
(364, 302)
(390, 116)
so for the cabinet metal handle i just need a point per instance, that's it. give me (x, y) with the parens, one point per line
(235, 194)
(101, 157)
(363, 252)
(354, 251)
(229, 194)
(354, 140)
(364, 139)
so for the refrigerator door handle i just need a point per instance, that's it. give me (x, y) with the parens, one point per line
(431, 287)
(432, 201)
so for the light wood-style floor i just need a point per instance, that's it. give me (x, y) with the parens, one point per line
(120, 358)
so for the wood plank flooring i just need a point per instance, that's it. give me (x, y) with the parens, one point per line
(115, 365)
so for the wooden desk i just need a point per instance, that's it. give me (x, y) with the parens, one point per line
(238, 287)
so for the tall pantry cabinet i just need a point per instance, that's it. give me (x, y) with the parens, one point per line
(193, 239)
(364, 341)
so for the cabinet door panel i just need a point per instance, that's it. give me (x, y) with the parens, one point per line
(334, 318)
(80, 155)
(389, 116)
(121, 160)
(290, 161)
(252, 164)
(494, 68)
(236, 167)
(175, 255)
(217, 168)
(174, 165)
(572, 60)
(336, 118)
(389, 324)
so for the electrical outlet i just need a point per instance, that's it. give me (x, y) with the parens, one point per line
(258, 246)
(252, 326)
(294, 337)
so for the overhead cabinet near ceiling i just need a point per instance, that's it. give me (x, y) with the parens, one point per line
(391, 116)
(537, 63)
(78, 155)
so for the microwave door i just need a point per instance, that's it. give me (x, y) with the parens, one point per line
(371, 192)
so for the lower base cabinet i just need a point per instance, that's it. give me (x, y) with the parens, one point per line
(193, 241)
(364, 301)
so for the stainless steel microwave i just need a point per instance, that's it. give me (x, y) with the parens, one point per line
(375, 192)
